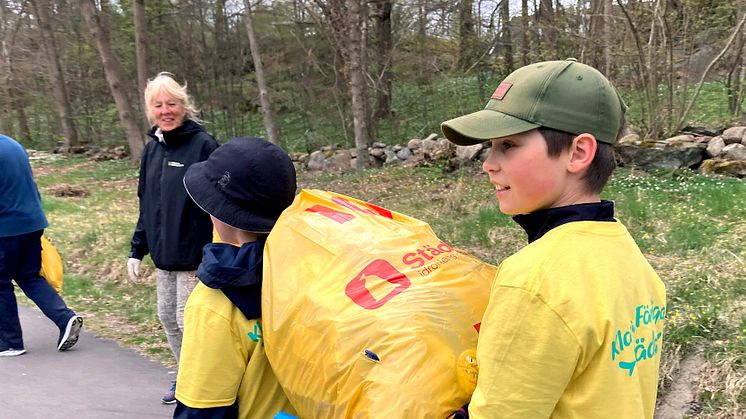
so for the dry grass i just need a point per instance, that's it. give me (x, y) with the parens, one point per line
(723, 389)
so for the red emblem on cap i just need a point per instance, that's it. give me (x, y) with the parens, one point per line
(501, 90)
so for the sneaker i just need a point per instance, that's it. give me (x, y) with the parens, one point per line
(69, 337)
(12, 352)
(170, 397)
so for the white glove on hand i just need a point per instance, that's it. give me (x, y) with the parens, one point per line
(133, 268)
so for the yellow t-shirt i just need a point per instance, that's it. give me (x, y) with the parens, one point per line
(223, 360)
(572, 330)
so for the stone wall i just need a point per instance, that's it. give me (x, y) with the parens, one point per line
(723, 154)
(719, 154)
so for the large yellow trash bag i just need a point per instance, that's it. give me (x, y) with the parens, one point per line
(367, 314)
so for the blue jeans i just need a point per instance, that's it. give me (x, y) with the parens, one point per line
(20, 260)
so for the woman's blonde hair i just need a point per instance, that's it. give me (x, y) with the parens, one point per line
(164, 83)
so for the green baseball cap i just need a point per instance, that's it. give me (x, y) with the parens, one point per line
(563, 95)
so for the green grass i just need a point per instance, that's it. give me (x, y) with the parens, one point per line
(710, 110)
(690, 227)
(676, 212)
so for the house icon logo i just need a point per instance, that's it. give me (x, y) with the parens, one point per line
(358, 290)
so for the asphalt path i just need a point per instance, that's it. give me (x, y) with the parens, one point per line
(96, 379)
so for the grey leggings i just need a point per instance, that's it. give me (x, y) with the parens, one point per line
(172, 290)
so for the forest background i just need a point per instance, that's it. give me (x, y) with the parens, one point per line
(307, 74)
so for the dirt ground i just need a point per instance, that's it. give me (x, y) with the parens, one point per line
(681, 400)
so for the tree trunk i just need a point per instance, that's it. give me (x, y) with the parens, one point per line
(220, 96)
(364, 68)
(423, 48)
(23, 127)
(6, 80)
(269, 122)
(141, 50)
(651, 67)
(733, 80)
(56, 78)
(608, 22)
(113, 78)
(467, 37)
(506, 38)
(357, 82)
(220, 28)
(595, 26)
(524, 30)
(546, 20)
(598, 42)
(347, 20)
(383, 57)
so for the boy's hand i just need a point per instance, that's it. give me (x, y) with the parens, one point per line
(133, 269)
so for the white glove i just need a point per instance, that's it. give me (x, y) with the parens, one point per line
(133, 268)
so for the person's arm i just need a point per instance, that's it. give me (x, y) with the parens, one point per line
(139, 243)
(183, 411)
(210, 145)
(526, 355)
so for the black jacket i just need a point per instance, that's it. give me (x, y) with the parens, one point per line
(171, 227)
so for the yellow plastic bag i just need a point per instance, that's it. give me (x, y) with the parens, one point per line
(51, 265)
(367, 314)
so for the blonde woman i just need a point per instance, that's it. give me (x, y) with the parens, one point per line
(171, 228)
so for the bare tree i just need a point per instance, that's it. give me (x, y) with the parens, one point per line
(11, 95)
(269, 122)
(736, 73)
(597, 43)
(383, 57)
(606, 35)
(647, 66)
(346, 18)
(141, 47)
(728, 44)
(735, 77)
(9, 23)
(57, 79)
(524, 31)
(355, 56)
(506, 39)
(113, 78)
(546, 20)
(466, 35)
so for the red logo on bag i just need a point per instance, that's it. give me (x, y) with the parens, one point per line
(361, 295)
(343, 217)
(370, 210)
(338, 216)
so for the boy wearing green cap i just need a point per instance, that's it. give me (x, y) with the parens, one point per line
(575, 319)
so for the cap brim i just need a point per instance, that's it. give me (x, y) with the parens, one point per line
(205, 194)
(483, 125)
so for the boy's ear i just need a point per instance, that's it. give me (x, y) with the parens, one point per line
(582, 152)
